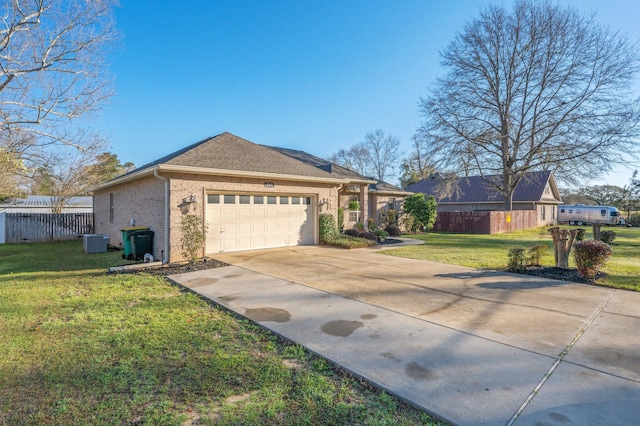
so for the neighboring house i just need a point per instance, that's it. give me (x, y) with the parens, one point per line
(536, 191)
(44, 204)
(250, 196)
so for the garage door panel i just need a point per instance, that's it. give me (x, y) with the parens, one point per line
(236, 226)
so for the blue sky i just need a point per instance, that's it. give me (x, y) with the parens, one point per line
(315, 76)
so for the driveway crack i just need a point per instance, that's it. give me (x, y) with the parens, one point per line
(561, 357)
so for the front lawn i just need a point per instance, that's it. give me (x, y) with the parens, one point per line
(79, 346)
(490, 251)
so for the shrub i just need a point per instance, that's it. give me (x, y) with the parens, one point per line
(580, 234)
(590, 256)
(517, 258)
(351, 232)
(381, 234)
(607, 237)
(536, 252)
(340, 219)
(194, 234)
(634, 219)
(369, 236)
(423, 210)
(371, 224)
(388, 217)
(393, 230)
(328, 228)
(348, 242)
(360, 226)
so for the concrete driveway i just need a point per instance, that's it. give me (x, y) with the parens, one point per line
(469, 346)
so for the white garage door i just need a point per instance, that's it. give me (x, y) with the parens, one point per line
(246, 222)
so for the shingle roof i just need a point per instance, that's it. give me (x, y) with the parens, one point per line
(229, 152)
(321, 163)
(341, 172)
(475, 189)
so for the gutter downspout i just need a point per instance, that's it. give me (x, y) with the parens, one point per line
(166, 216)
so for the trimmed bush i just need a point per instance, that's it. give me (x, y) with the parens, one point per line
(381, 234)
(607, 237)
(517, 257)
(351, 232)
(371, 224)
(536, 252)
(328, 228)
(590, 256)
(348, 242)
(393, 230)
(369, 236)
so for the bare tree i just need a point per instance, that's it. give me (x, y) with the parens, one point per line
(416, 166)
(539, 87)
(52, 73)
(374, 157)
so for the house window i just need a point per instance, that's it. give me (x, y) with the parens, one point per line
(229, 199)
(391, 204)
(543, 212)
(213, 199)
(547, 190)
(245, 199)
(295, 200)
(284, 200)
(271, 199)
(354, 216)
(111, 208)
(553, 212)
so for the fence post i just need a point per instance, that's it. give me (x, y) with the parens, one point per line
(3, 228)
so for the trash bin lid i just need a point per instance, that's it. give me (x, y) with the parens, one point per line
(135, 228)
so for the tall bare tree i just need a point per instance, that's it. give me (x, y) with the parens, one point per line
(416, 166)
(538, 87)
(52, 74)
(375, 156)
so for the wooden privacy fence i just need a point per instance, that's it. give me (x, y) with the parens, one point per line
(44, 227)
(486, 222)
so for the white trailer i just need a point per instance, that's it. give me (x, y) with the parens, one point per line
(580, 214)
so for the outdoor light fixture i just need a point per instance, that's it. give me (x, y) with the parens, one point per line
(191, 199)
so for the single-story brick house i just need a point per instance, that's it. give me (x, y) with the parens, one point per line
(536, 191)
(250, 196)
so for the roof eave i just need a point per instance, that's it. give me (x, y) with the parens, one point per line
(172, 168)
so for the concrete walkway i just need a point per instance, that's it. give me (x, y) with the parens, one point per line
(469, 346)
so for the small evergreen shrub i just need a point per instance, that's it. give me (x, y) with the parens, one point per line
(381, 234)
(580, 234)
(351, 232)
(517, 257)
(328, 227)
(393, 230)
(340, 219)
(371, 224)
(590, 256)
(369, 236)
(607, 237)
(536, 252)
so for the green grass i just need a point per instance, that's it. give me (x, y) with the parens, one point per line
(490, 252)
(86, 348)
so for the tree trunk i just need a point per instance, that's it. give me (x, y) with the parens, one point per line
(562, 241)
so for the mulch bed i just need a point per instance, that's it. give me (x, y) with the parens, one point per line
(561, 274)
(176, 268)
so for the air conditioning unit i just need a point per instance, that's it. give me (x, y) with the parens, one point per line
(95, 243)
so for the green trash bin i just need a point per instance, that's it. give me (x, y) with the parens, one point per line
(126, 240)
(141, 243)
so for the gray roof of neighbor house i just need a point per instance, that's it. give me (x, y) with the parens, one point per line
(375, 185)
(43, 204)
(475, 189)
